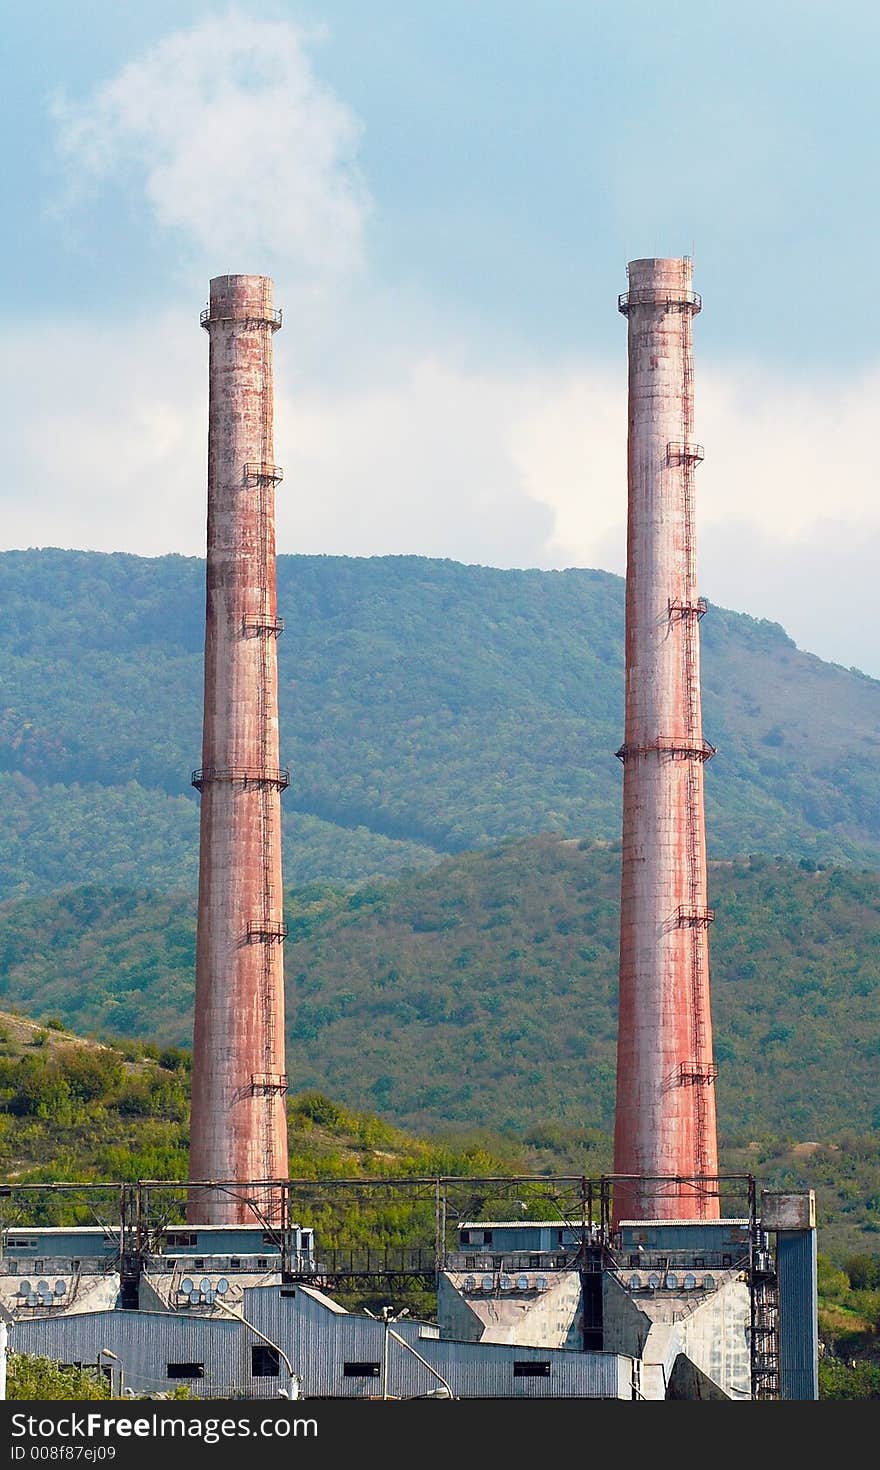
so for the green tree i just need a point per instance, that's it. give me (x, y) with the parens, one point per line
(33, 1377)
(853, 1380)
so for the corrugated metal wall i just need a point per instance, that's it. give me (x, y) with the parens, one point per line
(319, 1343)
(145, 1343)
(702, 1237)
(798, 1312)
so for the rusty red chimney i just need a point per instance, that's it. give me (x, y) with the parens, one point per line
(665, 1115)
(238, 1120)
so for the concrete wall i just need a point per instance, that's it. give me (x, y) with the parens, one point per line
(87, 1292)
(551, 1318)
(716, 1338)
(626, 1326)
(710, 1328)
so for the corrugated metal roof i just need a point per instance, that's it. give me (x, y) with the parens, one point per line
(519, 1225)
(319, 1296)
(697, 1224)
(42, 1230)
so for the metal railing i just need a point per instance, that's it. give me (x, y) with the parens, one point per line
(262, 473)
(366, 1260)
(693, 918)
(258, 318)
(566, 1258)
(681, 1262)
(690, 453)
(243, 775)
(265, 1083)
(258, 623)
(697, 1072)
(266, 929)
(666, 297)
(675, 745)
(696, 609)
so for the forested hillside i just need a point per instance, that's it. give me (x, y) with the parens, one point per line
(71, 1108)
(486, 988)
(426, 708)
(74, 1108)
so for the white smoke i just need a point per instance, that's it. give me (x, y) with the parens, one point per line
(235, 144)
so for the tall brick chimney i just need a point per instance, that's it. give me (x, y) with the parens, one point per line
(665, 1117)
(238, 1121)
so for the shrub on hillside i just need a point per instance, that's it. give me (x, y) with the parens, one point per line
(32, 1377)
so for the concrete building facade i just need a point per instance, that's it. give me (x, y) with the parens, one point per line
(658, 1309)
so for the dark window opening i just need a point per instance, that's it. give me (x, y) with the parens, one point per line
(487, 1237)
(470, 1263)
(264, 1361)
(699, 1260)
(727, 1260)
(559, 1235)
(262, 1262)
(534, 1260)
(177, 1237)
(634, 1260)
(199, 1265)
(465, 1237)
(531, 1370)
(234, 1261)
(498, 1262)
(360, 1370)
(185, 1370)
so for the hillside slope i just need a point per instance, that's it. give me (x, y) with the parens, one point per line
(486, 989)
(72, 1108)
(426, 708)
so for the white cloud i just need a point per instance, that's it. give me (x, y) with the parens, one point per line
(109, 448)
(110, 451)
(783, 457)
(421, 464)
(392, 436)
(821, 584)
(419, 454)
(235, 144)
(788, 511)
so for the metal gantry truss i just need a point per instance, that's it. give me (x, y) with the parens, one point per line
(137, 1214)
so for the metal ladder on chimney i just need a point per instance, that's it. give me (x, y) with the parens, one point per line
(701, 1073)
(269, 1083)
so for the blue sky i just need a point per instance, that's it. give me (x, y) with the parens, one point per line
(447, 197)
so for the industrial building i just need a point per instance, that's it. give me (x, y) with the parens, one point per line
(654, 1294)
(719, 1309)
